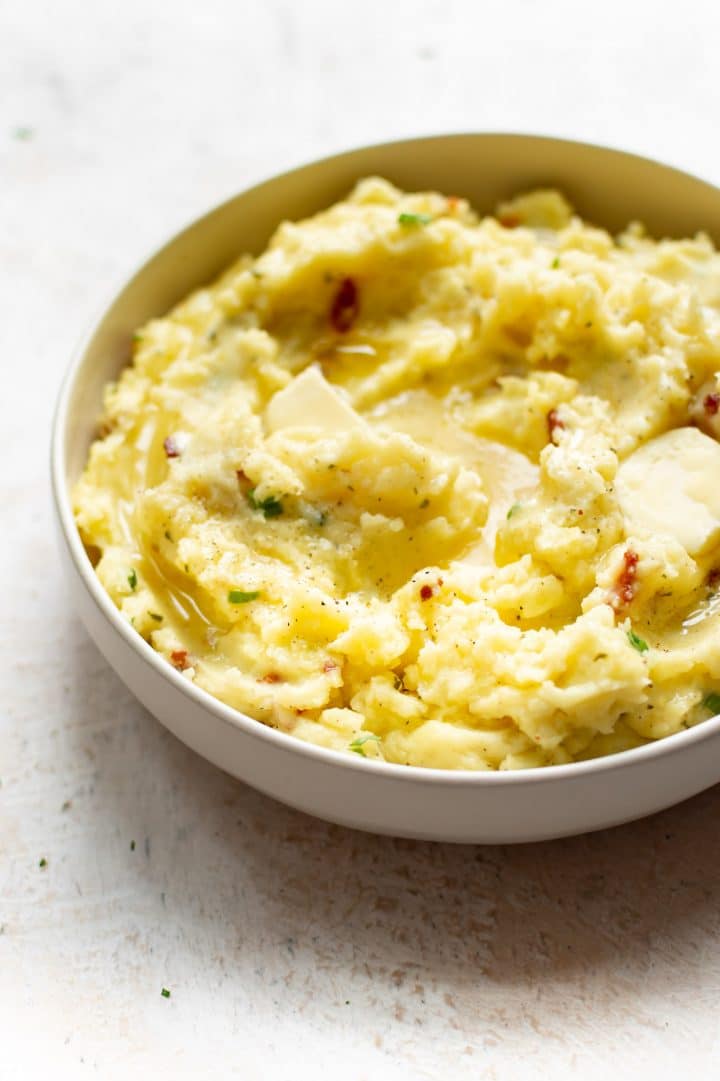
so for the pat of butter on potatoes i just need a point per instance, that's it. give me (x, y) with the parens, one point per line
(310, 402)
(671, 486)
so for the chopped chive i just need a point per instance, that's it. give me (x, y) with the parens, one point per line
(156, 616)
(639, 643)
(165, 993)
(239, 596)
(411, 220)
(132, 846)
(425, 503)
(712, 702)
(168, 535)
(556, 262)
(271, 507)
(513, 510)
(42, 864)
(359, 741)
(132, 578)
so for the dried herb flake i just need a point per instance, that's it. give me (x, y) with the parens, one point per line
(240, 596)
(637, 642)
(712, 702)
(411, 221)
(359, 741)
(270, 507)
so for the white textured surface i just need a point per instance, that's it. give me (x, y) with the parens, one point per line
(293, 948)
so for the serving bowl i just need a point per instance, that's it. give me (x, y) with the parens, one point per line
(607, 187)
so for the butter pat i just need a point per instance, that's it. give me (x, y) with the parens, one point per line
(671, 487)
(309, 401)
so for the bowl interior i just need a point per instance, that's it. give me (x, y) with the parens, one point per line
(607, 187)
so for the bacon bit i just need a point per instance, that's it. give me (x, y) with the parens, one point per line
(172, 450)
(242, 476)
(509, 221)
(428, 591)
(624, 588)
(179, 659)
(271, 677)
(329, 666)
(345, 306)
(554, 423)
(711, 404)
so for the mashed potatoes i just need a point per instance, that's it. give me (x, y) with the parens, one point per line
(433, 488)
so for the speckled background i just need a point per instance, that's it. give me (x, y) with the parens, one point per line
(291, 948)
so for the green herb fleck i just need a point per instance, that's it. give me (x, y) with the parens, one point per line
(412, 220)
(238, 596)
(23, 134)
(42, 864)
(637, 642)
(132, 846)
(165, 993)
(425, 503)
(271, 507)
(513, 510)
(132, 579)
(556, 262)
(156, 616)
(359, 741)
(137, 337)
(712, 702)
(168, 535)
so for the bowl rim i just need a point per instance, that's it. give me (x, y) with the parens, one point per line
(537, 775)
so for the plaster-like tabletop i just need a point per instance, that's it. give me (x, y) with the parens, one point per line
(293, 948)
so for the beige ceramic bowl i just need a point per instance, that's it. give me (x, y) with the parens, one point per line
(607, 187)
